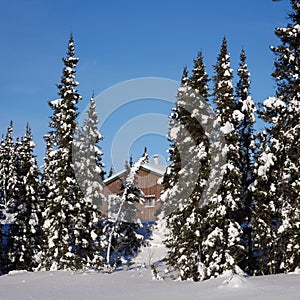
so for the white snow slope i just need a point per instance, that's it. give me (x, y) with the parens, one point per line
(138, 285)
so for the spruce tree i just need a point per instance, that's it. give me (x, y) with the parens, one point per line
(9, 190)
(88, 157)
(191, 143)
(9, 174)
(68, 219)
(245, 118)
(264, 215)
(2, 211)
(89, 169)
(172, 174)
(91, 129)
(222, 243)
(278, 171)
(24, 233)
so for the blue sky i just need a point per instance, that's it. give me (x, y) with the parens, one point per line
(123, 40)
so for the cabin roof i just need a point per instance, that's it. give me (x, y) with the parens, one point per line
(155, 169)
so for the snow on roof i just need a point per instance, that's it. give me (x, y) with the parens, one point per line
(152, 168)
(114, 176)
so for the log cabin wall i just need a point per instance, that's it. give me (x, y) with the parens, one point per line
(147, 181)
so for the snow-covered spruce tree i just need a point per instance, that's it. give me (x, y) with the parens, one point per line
(24, 233)
(9, 188)
(88, 156)
(222, 243)
(245, 118)
(187, 176)
(9, 172)
(183, 138)
(68, 220)
(278, 171)
(89, 168)
(2, 212)
(122, 230)
(263, 209)
(172, 174)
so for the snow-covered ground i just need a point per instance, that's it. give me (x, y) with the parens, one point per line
(138, 285)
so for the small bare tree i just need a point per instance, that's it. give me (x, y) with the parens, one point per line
(129, 194)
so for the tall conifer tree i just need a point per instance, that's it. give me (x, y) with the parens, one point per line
(2, 209)
(190, 166)
(245, 118)
(88, 156)
(24, 233)
(278, 172)
(172, 174)
(89, 168)
(9, 189)
(68, 220)
(223, 231)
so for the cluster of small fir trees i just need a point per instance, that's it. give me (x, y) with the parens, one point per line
(48, 217)
(251, 221)
(20, 206)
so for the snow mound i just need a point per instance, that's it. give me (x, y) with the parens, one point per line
(235, 281)
(17, 272)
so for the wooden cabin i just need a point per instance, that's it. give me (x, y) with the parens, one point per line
(148, 180)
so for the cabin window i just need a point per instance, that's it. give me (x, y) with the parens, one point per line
(150, 201)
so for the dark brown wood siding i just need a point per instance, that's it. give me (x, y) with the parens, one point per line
(147, 182)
